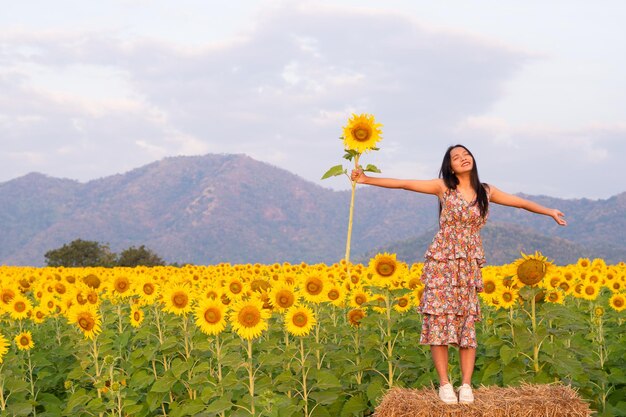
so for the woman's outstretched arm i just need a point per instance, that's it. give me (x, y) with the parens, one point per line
(500, 197)
(435, 186)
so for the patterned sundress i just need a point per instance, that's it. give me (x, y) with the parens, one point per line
(452, 276)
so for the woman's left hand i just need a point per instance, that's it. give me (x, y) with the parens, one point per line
(557, 215)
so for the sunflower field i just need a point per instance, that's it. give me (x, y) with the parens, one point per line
(291, 339)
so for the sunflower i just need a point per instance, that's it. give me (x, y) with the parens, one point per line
(299, 320)
(24, 341)
(402, 304)
(598, 311)
(355, 316)
(583, 263)
(121, 286)
(7, 294)
(336, 295)
(616, 286)
(380, 303)
(249, 319)
(92, 281)
(136, 316)
(385, 270)
(38, 315)
(19, 307)
(234, 288)
(554, 296)
(589, 291)
(507, 297)
(87, 319)
(416, 294)
(4, 347)
(210, 316)
(358, 297)
(177, 299)
(532, 268)
(361, 133)
(282, 297)
(147, 290)
(617, 302)
(313, 288)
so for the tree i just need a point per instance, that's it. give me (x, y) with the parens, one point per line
(81, 253)
(139, 256)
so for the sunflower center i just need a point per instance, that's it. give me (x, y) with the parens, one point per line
(212, 315)
(249, 316)
(314, 286)
(86, 322)
(92, 281)
(60, 288)
(553, 297)
(121, 285)
(24, 341)
(385, 268)
(92, 297)
(300, 319)
(507, 297)
(564, 286)
(20, 306)
(531, 271)
(235, 287)
(180, 299)
(618, 302)
(360, 299)
(355, 317)
(136, 316)
(490, 287)
(7, 296)
(361, 133)
(403, 302)
(39, 315)
(590, 290)
(616, 285)
(284, 299)
(333, 295)
(148, 288)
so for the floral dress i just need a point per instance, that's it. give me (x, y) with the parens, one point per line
(452, 276)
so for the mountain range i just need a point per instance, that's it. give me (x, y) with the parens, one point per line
(231, 208)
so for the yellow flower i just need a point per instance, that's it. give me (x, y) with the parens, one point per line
(4, 347)
(532, 268)
(210, 316)
(617, 302)
(147, 290)
(380, 301)
(313, 288)
(24, 341)
(87, 319)
(583, 263)
(554, 296)
(177, 299)
(336, 295)
(249, 319)
(234, 288)
(507, 297)
(121, 286)
(19, 307)
(385, 270)
(589, 291)
(361, 133)
(282, 297)
(38, 315)
(136, 316)
(299, 320)
(355, 316)
(358, 297)
(402, 304)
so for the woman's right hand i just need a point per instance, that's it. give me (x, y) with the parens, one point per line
(358, 176)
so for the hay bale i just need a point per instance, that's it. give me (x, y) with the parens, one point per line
(528, 400)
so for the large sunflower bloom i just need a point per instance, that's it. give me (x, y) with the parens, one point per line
(282, 297)
(532, 268)
(177, 299)
(136, 316)
(87, 319)
(336, 295)
(299, 320)
(24, 341)
(210, 316)
(19, 307)
(249, 319)
(361, 133)
(617, 302)
(355, 316)
(554, 296)
(385, 270)
(313, 288)
(506, 297)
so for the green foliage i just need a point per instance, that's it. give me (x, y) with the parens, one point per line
(140, 256)
(81, 253)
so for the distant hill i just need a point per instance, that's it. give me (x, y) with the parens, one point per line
(232, 208)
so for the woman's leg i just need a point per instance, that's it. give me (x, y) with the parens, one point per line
(440, 358)
(467, 358)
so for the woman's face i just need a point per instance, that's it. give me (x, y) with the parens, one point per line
(461, 160)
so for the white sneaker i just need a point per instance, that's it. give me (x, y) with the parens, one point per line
(447, 394)
(466, 396)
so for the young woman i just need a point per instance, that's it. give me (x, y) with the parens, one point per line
(451, 274)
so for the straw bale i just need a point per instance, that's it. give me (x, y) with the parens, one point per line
(527, 400)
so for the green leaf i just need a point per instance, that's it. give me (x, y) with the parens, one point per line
(492, 369)
(350, 154)
(506, 353)
(375, 390)
(354, 406)
(325, 397)
(20, 409)
(326, 380)
(334, 171)
(222, 404)
(371, 168)
(163, 384)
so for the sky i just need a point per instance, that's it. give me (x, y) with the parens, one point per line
(534, 89)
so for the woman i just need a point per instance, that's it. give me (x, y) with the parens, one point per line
(451, 274)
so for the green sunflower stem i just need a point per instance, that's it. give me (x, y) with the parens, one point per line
(389, 342)
(33, 393)
(348, 239)
(250, 377)
(534, 324)
(305, 393)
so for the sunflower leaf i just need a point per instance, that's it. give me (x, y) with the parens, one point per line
(350, 154)
(371, 168)
(334, 171)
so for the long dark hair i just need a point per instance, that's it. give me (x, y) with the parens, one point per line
(451, 181)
